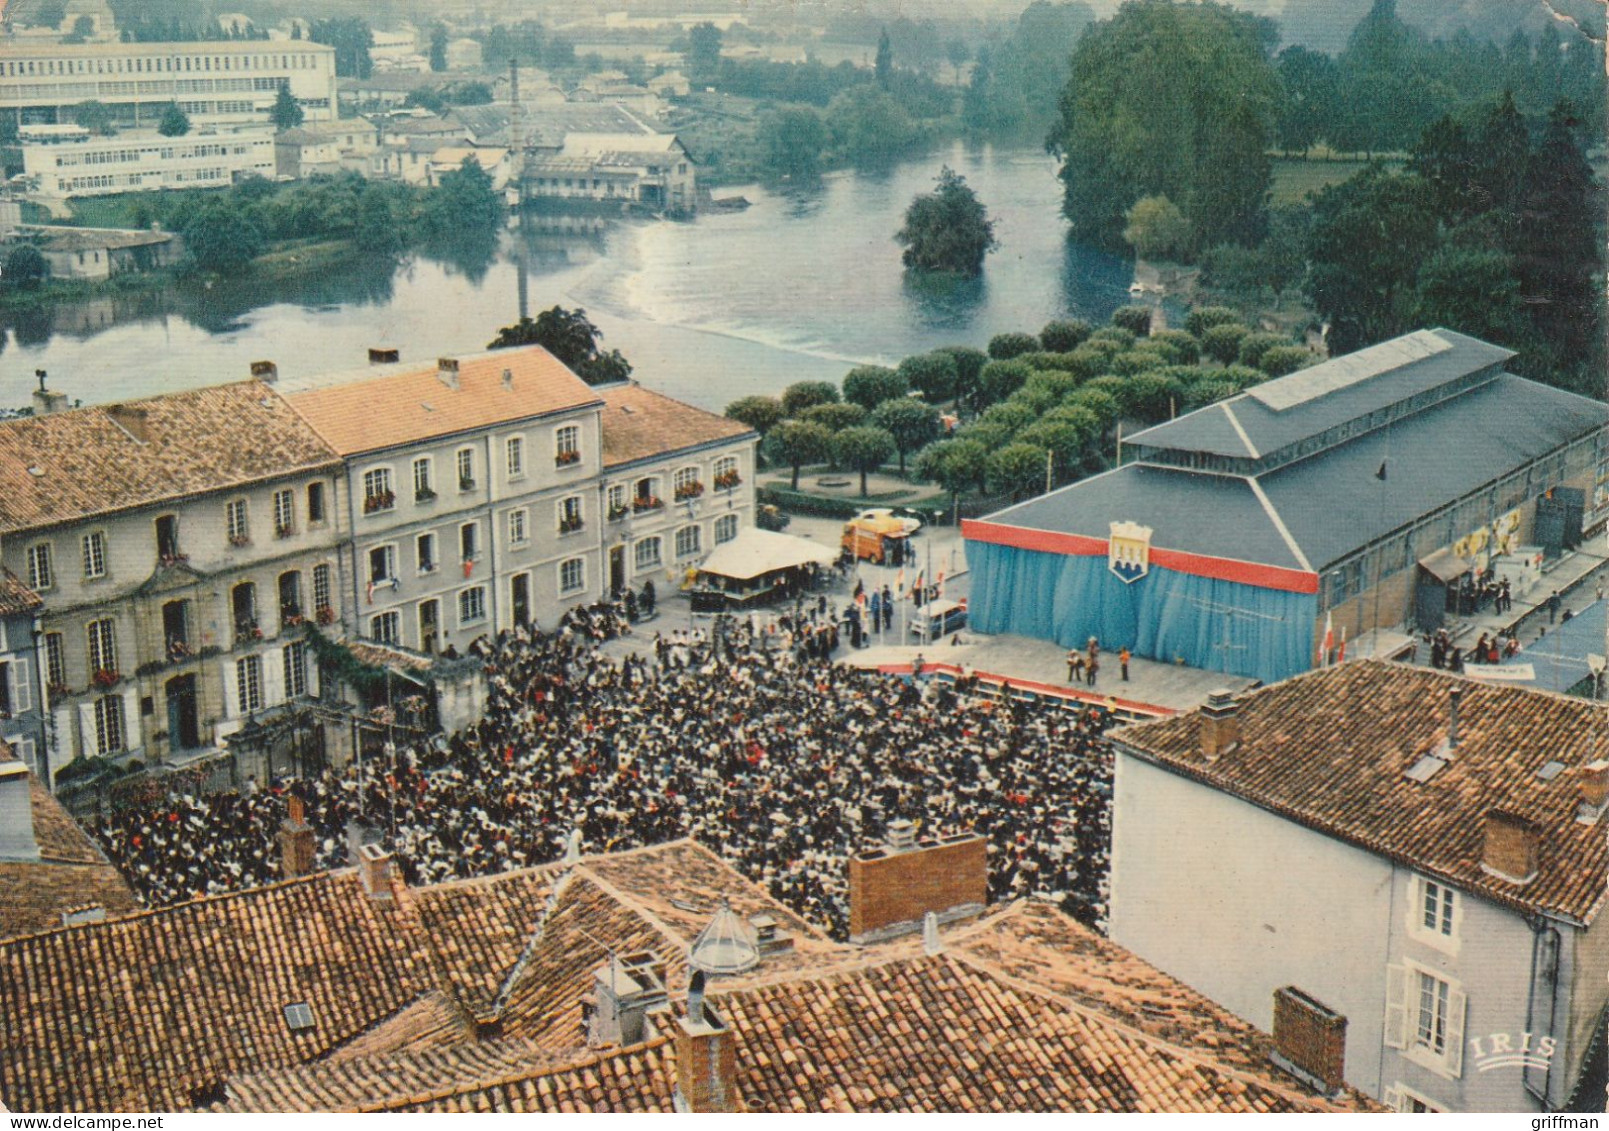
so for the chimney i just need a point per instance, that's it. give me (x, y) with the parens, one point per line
(1219, 725)
(624, 993)
(16, 810)
(892, 889)
(1592, 790)
(47, 401)
(706, 1057)
(1309, 1040)
(902, 835)
(508, 379)
(265, 371)
(447, 371)
(295, 841)
(131, 419)
(374, 869)
(384, 355)
(931, 943)
(1511, 847)
(1453, 696)
(767, 937)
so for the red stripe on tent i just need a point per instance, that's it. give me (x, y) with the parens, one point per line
(1179, 561)
(1046, 690)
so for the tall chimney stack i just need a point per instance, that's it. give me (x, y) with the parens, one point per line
(893, 888)
(1510, 847)
(1454, 696)
(447, 371)
(1219, 724)
(706, 1057)
(47, 401)
(1309, 1040)
(1592, 791)
(265, 371)
(384, 355)
(374, 869)
(16, 810)
(295, 841)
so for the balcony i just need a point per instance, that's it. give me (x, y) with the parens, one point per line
(689, 491)
(645, 503)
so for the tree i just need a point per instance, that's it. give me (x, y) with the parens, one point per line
(438, 48)
(1174, 100)
(1281, 360)
(1222, 342)
(792, 140)
(381, 224)
(869, 126)
(804, 394)
(175, 122)
(1000, 379)
(955, 465)
(704, 53)
(1156, 229)
(1310, 85)
(796, 443)
(935, 375)
(352, 39)
(463, 201)
(1063, 439)
(571, 338)
(871, 385)
(25, 267)
(286, 113)
(1004, 347)
(1016, 469)
(947, 230)
(957, 52)
(1135, 319)
(95, 117)
(760, 413)
(1254, 346)
(1064, 336)
(883, 66)
(863, 449)
(911, 423)
(220, 238)
(834, 417)
(1203, 318)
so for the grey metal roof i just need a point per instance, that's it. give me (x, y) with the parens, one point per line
(1333, 504)
(1290, 409)
(1559, 659)
(1216, 515)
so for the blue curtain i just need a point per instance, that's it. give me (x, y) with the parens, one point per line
(1225, 626)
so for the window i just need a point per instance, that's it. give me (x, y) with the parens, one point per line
(617, 502)
(39, 571)
(466, 469)
(687, 541)
(55, 661)
(1430, 1030)
(295, 670)
(167, 538)
(472, 605)
(109, 725)
(567, 445)
(1434, 913)
(647, 553)
(1401, 1098)
(424, 479)
(284, 514)
(425, 548)
(725, 528)
(382, 565)
(235, 521)
(377, 492)
(515, 449)
(386, 628)
(519, 527)
(469, 542)
(726, 474)
(572, 575)
(102, 646)
(290, 598)
(570, 515)
(686, 485)
(94, 555)
(321, 594)
(1425, 1018)
(249, 683)
(315, 503)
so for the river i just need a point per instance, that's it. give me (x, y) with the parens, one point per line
(803, 284)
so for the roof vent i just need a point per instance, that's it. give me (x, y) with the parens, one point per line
(265, 371)
(901, 835)
(88, 913)
(298, 1017)
(1426, 768)
(726, 946)
(384, 355)
(767, 937)
(447, 371)
(508, 378)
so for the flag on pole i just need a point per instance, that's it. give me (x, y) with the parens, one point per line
(1381, 474)
(917, 588)
(1329, 640)
(939, 584)
(1340, 657)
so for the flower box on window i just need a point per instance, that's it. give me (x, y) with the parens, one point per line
(325, 615)
(689, 491)
(239, 540)
(647, 503)
(564, 459)
(290, 618)
(466, 484)
(570, 524)
(424, 495)
(106, 677)
(171, 560)
(616, 513)
(58, 691)
(726, 480)
(284, 531)
(383, 501)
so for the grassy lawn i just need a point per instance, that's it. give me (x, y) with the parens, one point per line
(1296, 178)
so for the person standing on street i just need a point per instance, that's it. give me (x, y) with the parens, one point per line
(1123, 658)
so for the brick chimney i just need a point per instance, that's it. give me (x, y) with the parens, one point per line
(265, 371)
(1592, 791)
(1511, 847)
(295, 841)
(447, 371)
(384, 355)
(16, 810)
(374, 869)
(1219, 725)
(892, 888)
(1309, 1040)
(131, 419)
(47, 401)
(706, 1057)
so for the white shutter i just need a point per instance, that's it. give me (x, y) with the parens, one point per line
(1457, 1003)
(1394, 1099)
(64, 732)
(25, 750)
(310, 663)
(231, 691)
(22, 698)
(273, 665)
(133, 723)
(1396, 1029)
(86, 729)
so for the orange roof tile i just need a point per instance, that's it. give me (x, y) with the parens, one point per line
(1330, 750)
(70, 874)
(16, 599)
(405, 406)
(639, 424)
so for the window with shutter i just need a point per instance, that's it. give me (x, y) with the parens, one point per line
(22, 696)
(1457, 1003)
(1396, 1022)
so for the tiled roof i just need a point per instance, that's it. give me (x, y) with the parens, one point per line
(1330, 750)
(16, 599)
(639, 424)
(406, 405)
(70, 874)
(64, 239)
(71, 465)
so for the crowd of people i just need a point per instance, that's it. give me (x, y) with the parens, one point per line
(761, 749)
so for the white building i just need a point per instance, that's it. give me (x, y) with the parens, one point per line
(1422, 855)
(464, 55)
(229, 81)
(72, 162)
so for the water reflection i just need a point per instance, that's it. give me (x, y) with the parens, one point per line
(945, 302)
